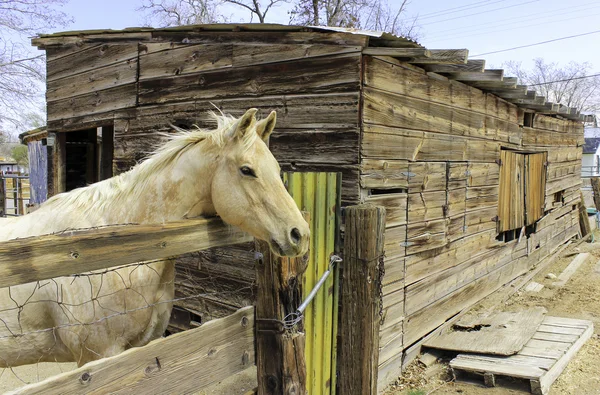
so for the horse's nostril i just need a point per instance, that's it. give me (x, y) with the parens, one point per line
(295, 235)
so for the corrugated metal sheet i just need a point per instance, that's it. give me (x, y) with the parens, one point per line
(320, 195)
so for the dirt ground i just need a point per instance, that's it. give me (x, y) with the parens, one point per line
(579, 298)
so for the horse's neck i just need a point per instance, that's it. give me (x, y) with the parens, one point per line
(177, 191)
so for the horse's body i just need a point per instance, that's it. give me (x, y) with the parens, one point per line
(229, 172)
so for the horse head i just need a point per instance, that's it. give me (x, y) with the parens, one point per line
(247, 190)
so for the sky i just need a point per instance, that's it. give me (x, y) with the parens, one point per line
(481, 26)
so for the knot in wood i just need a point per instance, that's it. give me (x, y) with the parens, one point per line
(211, 352)
(85, 378)
(272, 383)
(245, 358)
(163, 244)
(74, 254)
(244, 322)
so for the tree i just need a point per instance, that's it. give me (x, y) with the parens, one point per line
(20, 155)
(163, 13)
(360, 14)
(21, 69)
(570, 85)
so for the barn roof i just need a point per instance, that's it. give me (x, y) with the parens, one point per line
(439, 63)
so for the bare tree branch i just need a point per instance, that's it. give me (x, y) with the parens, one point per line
(563, 85)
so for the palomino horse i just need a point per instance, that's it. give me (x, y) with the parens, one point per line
(229, 172)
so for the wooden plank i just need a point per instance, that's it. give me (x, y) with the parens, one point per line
(398, 52)
(392, 109)
(383, 174)
(426, 206)
(543, 138)
(526, 369)
(500, 333)
(472, 65)
(560, 330)
(105, 101)
(280, 359)
(426, 320)
(321, 75)
(396, 143)
(248, 54)
(90, 57)
(182, 59)
(182, 363)
(359, 323)
(423, 236)
(555, 337)
(98, 79)
(395, 207)
(575, 264)
(426, 176)
(445, 56)
(71, 252)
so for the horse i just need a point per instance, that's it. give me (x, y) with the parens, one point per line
(228, 172)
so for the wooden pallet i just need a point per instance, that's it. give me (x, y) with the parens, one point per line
(542, 359)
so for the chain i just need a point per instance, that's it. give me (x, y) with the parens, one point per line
(381, 274)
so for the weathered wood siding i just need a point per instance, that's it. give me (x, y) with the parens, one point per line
(142, 82)
(430, 154)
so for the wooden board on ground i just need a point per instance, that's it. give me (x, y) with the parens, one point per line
(542, 359)
(500, 333)
(575, 264)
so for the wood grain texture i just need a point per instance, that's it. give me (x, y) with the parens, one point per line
(97, 79)
(87, 57)
(500, 333)
(182, 363)
(359, 320)
(323, 75)
(72, 252)
(280, 362)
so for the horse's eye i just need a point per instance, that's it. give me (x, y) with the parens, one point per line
(245, 170)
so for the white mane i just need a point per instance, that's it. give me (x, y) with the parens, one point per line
(126, 185)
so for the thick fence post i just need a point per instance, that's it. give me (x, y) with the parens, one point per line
(358, 347)
(280, 360)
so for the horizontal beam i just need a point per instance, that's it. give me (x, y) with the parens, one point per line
(444, 56)
(186, 362)
(486, 75)
(474, 66)
(44, 257)
(397, 52)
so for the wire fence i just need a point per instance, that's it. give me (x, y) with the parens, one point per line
(91, 315)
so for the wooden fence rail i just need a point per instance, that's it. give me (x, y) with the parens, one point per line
(182, 363)
(72, 252)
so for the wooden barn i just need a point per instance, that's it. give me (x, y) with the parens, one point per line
(480, 177)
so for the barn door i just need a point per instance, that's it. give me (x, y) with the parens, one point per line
(319, 194)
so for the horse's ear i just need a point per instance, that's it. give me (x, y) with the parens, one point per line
(245, 123)
(265, 127)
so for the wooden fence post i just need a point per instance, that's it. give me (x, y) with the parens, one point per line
(280, 360)
(358, 347)
(596, 188)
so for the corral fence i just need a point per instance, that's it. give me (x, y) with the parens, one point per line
(313, 330)
(15, 193)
